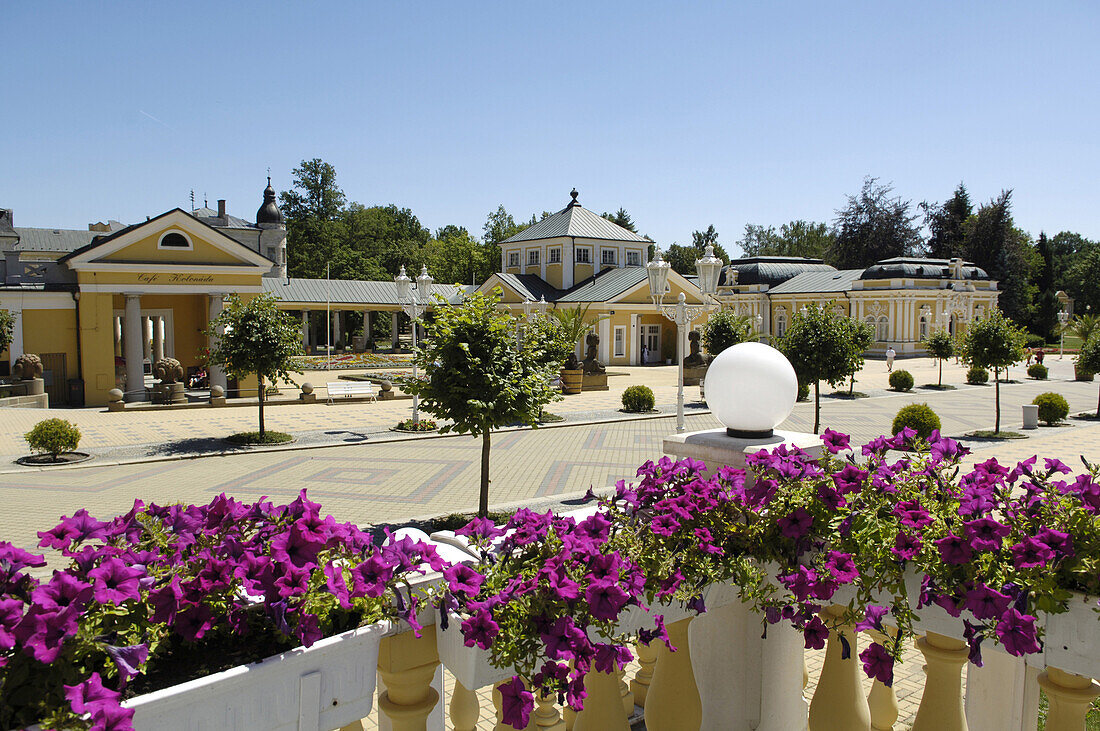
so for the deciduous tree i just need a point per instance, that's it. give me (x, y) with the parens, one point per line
(1088, 359)
(941, 346)
(995, 343)
(947, 224)
(819, 344)
(875, 225)
(725, 329)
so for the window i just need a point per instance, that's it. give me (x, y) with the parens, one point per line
(513, 258)
(883, 329)
(584, 255)
(781, 325)
(923, 326)
(555, 256)
(633, 258)
(607, 256)
(532, 257)
(174, 240)
(620, 341)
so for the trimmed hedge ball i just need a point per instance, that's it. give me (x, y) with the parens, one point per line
(901, 380)
(920, 417)
(1053, 407)
(638, 399)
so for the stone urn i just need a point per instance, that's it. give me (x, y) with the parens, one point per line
(28, 369)
(170, 388)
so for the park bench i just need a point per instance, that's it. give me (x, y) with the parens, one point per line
(350, 389)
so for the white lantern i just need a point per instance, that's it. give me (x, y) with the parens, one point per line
(404, 285)
(657, 271)
(424, 285)
(708, 268)
(751, 389)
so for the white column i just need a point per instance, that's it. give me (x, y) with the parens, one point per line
(134, 348)
(147, 337)
(605, 338)
(368, 333)
(393, 330)
(158, 338)
(634, 343)
(216, 373)
(16, 348)
(305, 329)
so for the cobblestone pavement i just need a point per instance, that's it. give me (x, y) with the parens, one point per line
(379, 481)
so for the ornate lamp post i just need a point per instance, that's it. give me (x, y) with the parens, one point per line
(1063, 317)
(708, 269)
(414, 302)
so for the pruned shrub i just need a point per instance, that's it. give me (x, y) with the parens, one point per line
(803, 391)
(901, 381)
(1052, 407)
(920, 417)
(1037, 371)
(1031, 340)
(638, 399)
(977, 376)
(53, 437)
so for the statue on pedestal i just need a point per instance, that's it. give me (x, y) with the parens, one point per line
(695, 359)
(591, 365)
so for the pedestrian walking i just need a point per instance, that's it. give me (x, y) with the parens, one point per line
(890, 355)
(1027, 351)
(645, 354)
(1039, 355)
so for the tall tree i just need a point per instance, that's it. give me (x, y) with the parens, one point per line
(701, 239)
(808, 239)
(994, 342)
(457, 257)
(947, 224)
(875, 225)
(621, 218)
(1046, 317)
(760, 241)
(993, 242)
(312, 211)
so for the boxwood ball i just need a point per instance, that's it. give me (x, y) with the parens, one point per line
(751, 387)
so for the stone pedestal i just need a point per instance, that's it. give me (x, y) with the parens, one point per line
(594, 382)
(692, 376)
(34, 386)
(169, 393)
(716, 448)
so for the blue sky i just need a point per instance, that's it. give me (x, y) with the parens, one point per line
(686, 114)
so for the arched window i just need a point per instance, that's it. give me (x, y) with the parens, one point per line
(781, 323)
(883, 330)
(870, 320)
(923, 326)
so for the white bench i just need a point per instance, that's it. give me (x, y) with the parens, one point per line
(350, 389)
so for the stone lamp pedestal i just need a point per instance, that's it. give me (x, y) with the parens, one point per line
(750, 682)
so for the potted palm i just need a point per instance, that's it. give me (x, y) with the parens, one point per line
(1083, 326)
(572, 324)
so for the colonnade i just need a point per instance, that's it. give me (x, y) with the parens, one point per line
(312, 338)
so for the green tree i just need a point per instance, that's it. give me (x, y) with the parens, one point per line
(1088, 359)
(1046, 316)
(808, 239)
(7, 327)
(861, 336)
(455, 256)
(725, 329)
(312, 211)
(819, 345)
(682, 258)
(574, 323)
(701, 239)
(378, 241)
(947, 225)
(993, 243)
(760, 241)
(480, 376)
(875, 225)
(1081, 280)
(621, 218)
(940, 346)
(1083, 326)
(994, 342)
(255, 337)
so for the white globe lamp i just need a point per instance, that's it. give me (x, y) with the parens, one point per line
(751, 389)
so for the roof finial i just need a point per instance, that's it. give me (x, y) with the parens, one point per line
(573, 194)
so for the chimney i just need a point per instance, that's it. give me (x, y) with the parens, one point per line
(221, 208)
(7, 219)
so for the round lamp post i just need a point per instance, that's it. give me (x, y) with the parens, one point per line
(751, 389)
(1063, 317)
(708, 268)
(414, 301)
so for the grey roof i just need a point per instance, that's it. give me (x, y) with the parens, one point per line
(772, 270)
(346, 291)
(576, 220)
(917, 268)
(531, 286)
(53, 239)
(606, 285)
(210, 217)
(818, 281)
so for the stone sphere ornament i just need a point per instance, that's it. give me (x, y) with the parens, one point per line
(751, 389)
(307, 388)
(27, 366)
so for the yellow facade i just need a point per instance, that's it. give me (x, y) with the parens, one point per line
(146, 250)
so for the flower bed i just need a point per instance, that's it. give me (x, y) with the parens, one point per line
(161, 589)
(352, 360)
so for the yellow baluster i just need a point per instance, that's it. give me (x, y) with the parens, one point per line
(882, 701)
(838, 703)
(546, 715)
(353, 726)
(647, 658)
(673, 699)
(1069, 697)
(603, 708)
(628, 696)
(941, 704)
(407, 665)
(464, 708)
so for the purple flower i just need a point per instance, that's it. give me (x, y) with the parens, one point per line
(480, 528)
(115, 582)
(463, 580)
(1016, 632)
(1059, 542)
(906, 546)
(842, 566)
(1031, 553)
(872, 618)
(954, 549)
(1056, 465)
(111, 718)
(128, 659)
(985, 534)
(371, 576)
(80, 527)
(89, 695)
(878, 664)
(610, 658)
(561, 637)
(334, 582)
(605, 599)
(480, 629)
(801, 583)
(516, 703)
(830, 498)
(849, 479)
(296, 548)
(194, 622)
(986, 603)
(796, 524)
(664, 524)
(945, 449)
(11, 613)
(835, 441)
(912, 514)
(63, 591)
(165, 601)
(815, 634)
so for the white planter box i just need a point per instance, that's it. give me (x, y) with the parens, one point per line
(320, 688)
(1072, 640)
(469, 665)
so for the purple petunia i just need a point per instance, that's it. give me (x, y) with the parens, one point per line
(605, 599)
(89, 695)
(878, 664)
(842, 566)
(114, 581)
(835, 441)
(985, 602)
(815, 634)
(954, 549)
(906, 547)
(985, 534)
(516, 703)
(796, 523)
(480, 629)
(1031, 553)
(463, 580)
(1016, 632)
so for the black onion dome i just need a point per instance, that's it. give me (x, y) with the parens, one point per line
(917, 268)
(771, 270)
(269, 212)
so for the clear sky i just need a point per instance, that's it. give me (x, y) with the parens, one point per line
(686, 114)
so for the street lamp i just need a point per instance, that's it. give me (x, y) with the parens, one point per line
(708, 269)
(1063, 317)
(414, 302)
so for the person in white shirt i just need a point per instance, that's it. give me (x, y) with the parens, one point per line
(890, 355)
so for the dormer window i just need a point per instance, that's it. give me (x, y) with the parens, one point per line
(174, 240)
(533, 257)
(633, 258)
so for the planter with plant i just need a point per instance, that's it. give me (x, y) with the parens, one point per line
(1088, 359)
(52, 439)
(424, 425)
(156, 617)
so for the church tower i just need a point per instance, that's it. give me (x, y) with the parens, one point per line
(272, 225)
